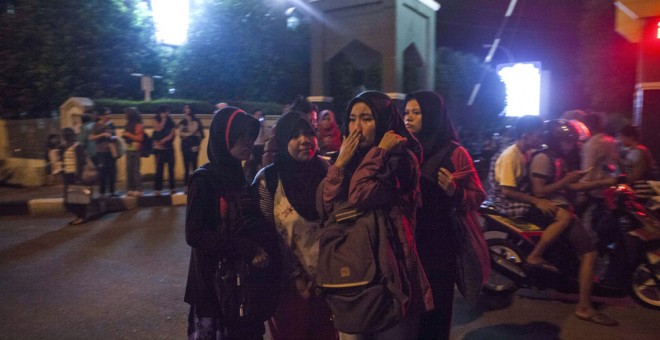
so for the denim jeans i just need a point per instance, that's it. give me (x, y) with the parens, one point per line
(133, 175)
(164, 156)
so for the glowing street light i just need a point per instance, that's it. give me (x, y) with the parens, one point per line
(146, 84)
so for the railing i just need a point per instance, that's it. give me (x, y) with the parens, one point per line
(27, 138)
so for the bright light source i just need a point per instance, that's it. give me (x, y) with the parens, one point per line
(657, 35)
(523, 88)
(171, 19)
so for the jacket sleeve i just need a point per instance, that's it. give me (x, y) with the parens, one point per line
(332, 187)
(379, 177)
(203, 229)
(469, 192)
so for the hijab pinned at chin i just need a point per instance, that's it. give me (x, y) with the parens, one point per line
(299, 179)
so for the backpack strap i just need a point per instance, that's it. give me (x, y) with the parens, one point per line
(433, 163)
(272, 179)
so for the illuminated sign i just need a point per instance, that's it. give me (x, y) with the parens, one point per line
(523, 88)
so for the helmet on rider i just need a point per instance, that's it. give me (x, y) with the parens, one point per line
(560, 135)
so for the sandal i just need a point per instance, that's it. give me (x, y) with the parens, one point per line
(599, 318)
(77, 221)
(543, 266)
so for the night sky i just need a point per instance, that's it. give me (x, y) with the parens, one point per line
(539, 30)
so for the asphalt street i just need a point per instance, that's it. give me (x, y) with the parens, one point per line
(123, 276)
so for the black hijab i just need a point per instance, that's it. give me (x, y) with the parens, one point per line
(437, 129)
(299, 179)
(227, 126)
(387, 118)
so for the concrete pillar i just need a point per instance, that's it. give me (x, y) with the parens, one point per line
(71, 112)
(387, 27)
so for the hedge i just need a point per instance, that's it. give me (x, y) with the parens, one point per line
(198, 107)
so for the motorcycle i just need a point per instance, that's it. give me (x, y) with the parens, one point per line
(629, 252)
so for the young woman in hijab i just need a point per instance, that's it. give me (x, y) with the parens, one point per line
(377, 167)
(287, 196)
(329, 136)
(224, 223)
(447, 183)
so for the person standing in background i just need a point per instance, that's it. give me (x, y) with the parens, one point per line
(191, 132)
(73, 161)
(637, 160)
(329, 136)
(134, 136)
(53, 159)
(163, 136)
(253, 165)
(310, 110)
(103, 133)
(88, 120)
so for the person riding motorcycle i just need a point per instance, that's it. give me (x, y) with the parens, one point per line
(551, 179)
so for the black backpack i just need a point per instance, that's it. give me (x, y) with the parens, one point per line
(247, 295)
(147, 148)
(361, 270)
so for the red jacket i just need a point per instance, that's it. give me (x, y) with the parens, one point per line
(392, 178)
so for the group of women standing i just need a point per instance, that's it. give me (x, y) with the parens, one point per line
(381, 163)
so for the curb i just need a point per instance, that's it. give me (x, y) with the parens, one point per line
(49, 206)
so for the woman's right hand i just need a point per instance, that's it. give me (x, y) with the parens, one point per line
(303, 287)
(391, 140)
(261, 259)
(348, 148)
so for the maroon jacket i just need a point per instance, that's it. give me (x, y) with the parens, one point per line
(386, 178)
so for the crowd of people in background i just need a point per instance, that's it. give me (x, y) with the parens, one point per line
(261, 199)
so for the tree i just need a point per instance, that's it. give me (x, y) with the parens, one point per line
(607, 60)
(61, 48)
(243, 50)
(456, 75)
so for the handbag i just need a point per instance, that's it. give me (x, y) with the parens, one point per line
(78, 194)
(472, 256)
(89, 173)
(472, 253)
(117, 148)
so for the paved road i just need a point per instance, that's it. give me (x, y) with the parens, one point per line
(118, 277)
(123, 276)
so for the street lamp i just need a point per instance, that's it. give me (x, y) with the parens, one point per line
(146, 84)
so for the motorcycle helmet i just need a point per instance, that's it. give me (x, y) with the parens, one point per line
(582, 129)
(559, 130)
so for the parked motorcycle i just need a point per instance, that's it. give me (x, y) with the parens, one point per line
(629, 248)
